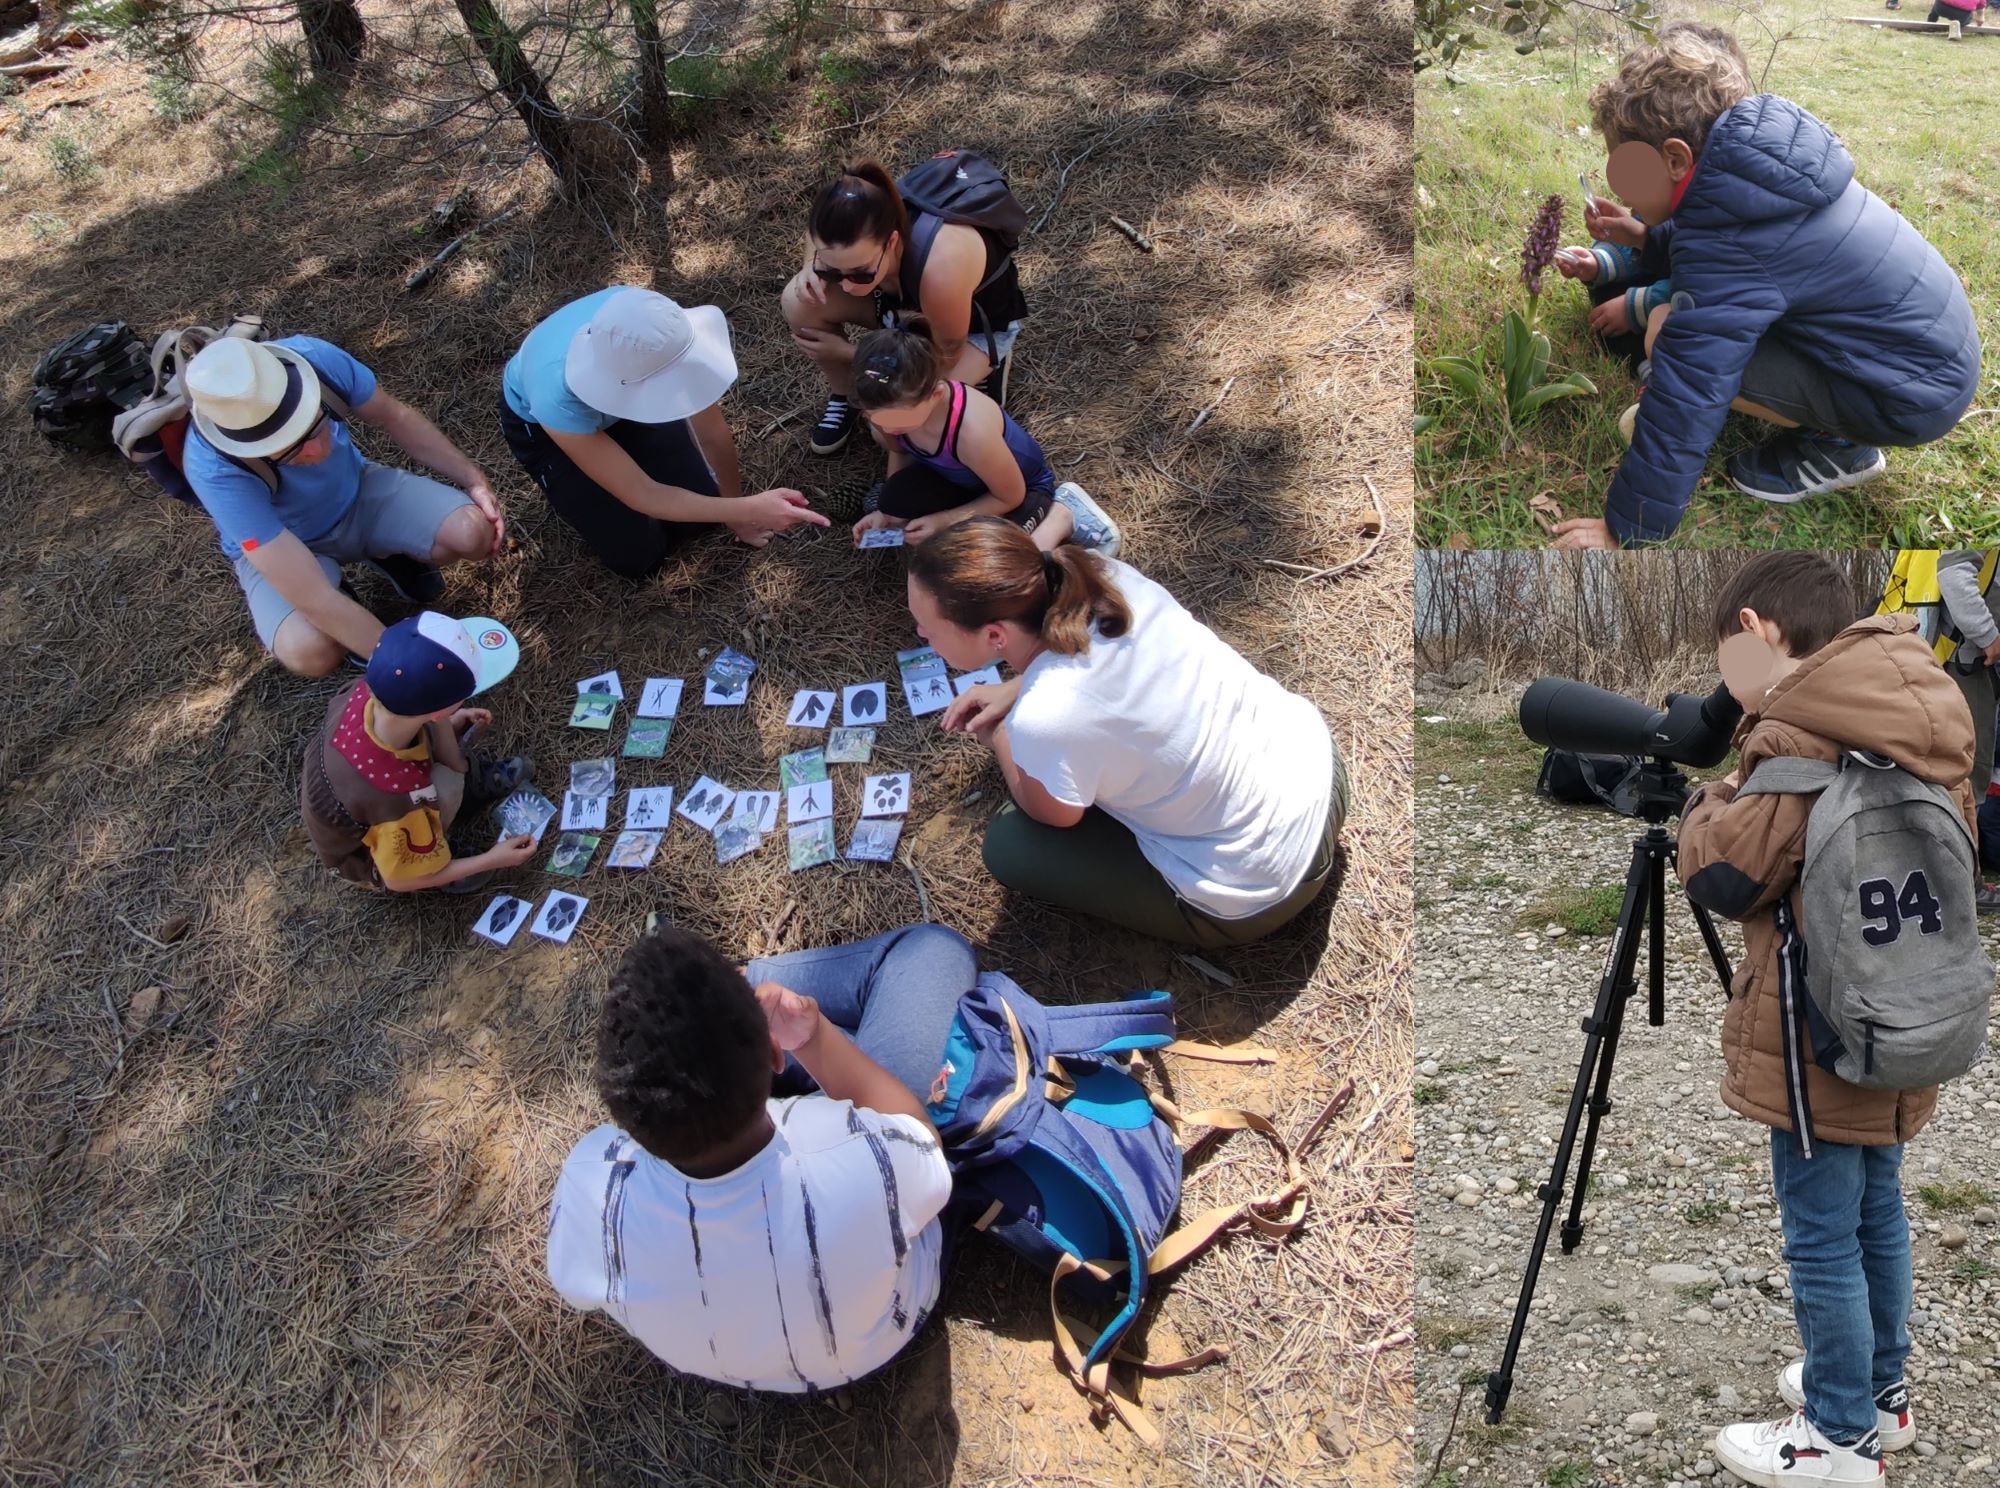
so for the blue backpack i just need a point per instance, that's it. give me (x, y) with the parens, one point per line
(1063, 1157)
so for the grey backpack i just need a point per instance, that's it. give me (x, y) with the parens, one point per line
(1897, 983)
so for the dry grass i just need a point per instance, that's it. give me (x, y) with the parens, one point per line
(291, 1231)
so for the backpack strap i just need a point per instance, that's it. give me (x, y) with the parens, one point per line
(1276, 1214)
(1789, 775)
(265, 470)
(917, 253)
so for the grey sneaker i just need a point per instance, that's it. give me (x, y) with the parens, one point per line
(1094, 528)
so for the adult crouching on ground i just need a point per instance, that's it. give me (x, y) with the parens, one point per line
(1159, 780)
(269, 457)
(614, 406)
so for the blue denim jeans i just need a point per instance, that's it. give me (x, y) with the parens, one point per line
(1847, 1242)
(894, 994)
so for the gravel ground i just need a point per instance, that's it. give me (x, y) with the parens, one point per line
(1673, 1317)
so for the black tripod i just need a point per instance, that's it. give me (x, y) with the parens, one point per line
(1661, 793)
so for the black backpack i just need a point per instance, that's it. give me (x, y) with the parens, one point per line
(965, 188)
(1607, 780)
(86, 382)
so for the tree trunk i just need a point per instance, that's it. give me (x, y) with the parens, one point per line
(656, 107)
(334, 34)
(524, 90)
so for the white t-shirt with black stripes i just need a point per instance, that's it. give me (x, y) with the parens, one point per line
(809, 1266)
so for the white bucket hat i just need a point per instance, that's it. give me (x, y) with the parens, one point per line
(251, 398)
(644, 358)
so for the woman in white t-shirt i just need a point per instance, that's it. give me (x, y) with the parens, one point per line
(1159, 780)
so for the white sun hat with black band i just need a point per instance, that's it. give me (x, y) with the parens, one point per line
(251, 398)
(644, 358)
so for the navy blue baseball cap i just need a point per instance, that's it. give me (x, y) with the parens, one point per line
(430, 662)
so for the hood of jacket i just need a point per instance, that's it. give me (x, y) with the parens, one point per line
(1766, 158)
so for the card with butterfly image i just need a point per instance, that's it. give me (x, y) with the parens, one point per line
(646, 738)
(525, 812)
(874, 839)
(584, 813)
(802, 767)
(634, 850)
(704, 802)
(503, 919)
(649, 807)
(810, 844)
(986, 676)
(561, 912)
(604, 684)
(757, 807)
(660, 697)
(885, 795)
(810, 709)
(850, 746)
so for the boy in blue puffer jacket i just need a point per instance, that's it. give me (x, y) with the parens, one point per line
(1800, 297)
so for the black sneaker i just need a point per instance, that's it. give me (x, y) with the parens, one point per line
(835, 426)
(1799, 463)
(416, 582)
(489, 780)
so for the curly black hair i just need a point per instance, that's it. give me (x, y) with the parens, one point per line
(683, 1051)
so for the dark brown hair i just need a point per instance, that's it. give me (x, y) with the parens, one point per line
(861, 202)
(896, 365)
(986, 569)
(1807, 597)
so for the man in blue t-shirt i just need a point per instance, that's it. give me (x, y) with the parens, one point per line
(259, 407)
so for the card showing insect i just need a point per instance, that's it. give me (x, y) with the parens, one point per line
(811, 844)
(572, 855)
(560, 913)
(585, 813)
(850, 746)
(593, 710)
(525, 811)
(986, 676)
(874, 839)
(633, 850)
(647, 737)
(864, 703)
(810, 709)
(651, 806)
(605, 684)
(885, 795)
(503, 919)
(736, 837)
(704, 802)
(594, 777)
(802, 767)
(882, 537)
(809, 802)
(759, 808)
(660, 697)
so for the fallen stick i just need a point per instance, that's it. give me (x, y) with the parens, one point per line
(784, 418)
(33, 69)
(1306, 575)
(1139, 240)
(1389, 1341)
(1202, 417)
(418, 278)
(1213, 972)
(923, 897)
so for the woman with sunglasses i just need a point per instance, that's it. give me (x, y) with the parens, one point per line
(614, 405)
(859, 232)
(269, 458)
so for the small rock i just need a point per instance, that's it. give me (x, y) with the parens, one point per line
(1727, 1398)
(1642, 1423)
(1679, 1275)
(1466, 1200)
(1975, 1467)
(1954, 1237)
(1428, 1069)
(139, 1012)
(1704, 1467)
(173, 929)
(1986, 1214)
(1926, 1449)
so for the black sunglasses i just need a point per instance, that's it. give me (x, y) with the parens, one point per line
(853, 276)
(310, 435)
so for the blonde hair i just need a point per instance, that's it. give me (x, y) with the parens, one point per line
(1675, 88)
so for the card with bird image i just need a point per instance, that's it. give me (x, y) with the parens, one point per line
(811, 844)
(802, 767)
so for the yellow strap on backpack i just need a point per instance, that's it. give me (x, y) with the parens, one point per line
(1913, 590)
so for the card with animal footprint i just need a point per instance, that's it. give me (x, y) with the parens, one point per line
(926, 684)
(584, 813)
(526, 811)
(737, 836)
(605, 684)
(649, 807)
(760, 808)
(986, 676)
(503, 919)
(704, 802)
(647, 737)
(560, 913)
(660, 697)
(572, 855)
(885, 795)
(874, 839)
(802, 766)
(863, 703)
(633, 850)
(594, 777)
(811, 844)
(882, 537)
(809, 802)
(810, 709)
(850, 746)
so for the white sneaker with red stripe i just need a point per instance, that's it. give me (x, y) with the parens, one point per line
(1893, 1421)
(1772, 1454)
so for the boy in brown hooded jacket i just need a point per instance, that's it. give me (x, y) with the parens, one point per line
(1812, 685)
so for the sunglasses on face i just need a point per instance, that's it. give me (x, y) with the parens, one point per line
(310, 435)
(853, 276)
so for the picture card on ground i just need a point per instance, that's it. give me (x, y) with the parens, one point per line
(885, 795)
(810, 845)
(850, 746)
(647, 737)
(634, 850)
(802, 767)
(809, 802)
(926, 684)
(757, 807)
(604, 682)
(704, 802)
(585, 813)
(503, 919)
(572, 855)
(660, 697)
(736, 837)
(594, 777)
(559, 915)
(525, 811)
(874, 839)
(865, 702)
(810, 709)
(649, 806)
(882, 537)
(727, 681)
(593, 710)
(986, 676)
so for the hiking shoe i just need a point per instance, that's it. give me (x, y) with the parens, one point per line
(1774, 1453)
(416, 582)
(871, 499)
(1893, 1422)
(489, 780)
(1094, 528)
(835, 426)
(1799, 463)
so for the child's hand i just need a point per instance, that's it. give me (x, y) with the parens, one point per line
(923, 529)
(875, 521)
(1608, 222)
(1577, 263)
(793, 1019)
(511, 852)
(466, 718)
(1612, 318)
(1583, 532)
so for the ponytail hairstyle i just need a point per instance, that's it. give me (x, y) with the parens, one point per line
(897, 365)
(861, 202)
(986, 569)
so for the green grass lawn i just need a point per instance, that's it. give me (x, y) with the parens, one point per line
(1919, 114)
